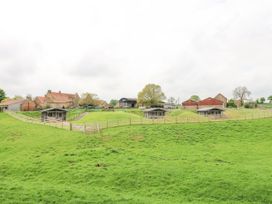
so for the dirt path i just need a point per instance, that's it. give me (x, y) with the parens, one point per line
(81, 115)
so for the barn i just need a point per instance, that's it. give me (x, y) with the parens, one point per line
(190, 104)
(17, 105)
(210, 102)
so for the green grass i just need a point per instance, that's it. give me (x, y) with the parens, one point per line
(218, 163)
(32, 114)
(107, 116)
(247, 113)
(72, 113)
(183, 114)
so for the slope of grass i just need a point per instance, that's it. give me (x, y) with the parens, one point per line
(185, 114)
(247, 113)
(107, 116)
(32, 114)
(224, 162)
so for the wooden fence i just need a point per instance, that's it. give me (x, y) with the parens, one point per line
(89, 128)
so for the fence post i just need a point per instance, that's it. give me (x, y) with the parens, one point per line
(71, 127)
(97, 127)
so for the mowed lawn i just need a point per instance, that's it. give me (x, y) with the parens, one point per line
(221, 162)
(100, 116)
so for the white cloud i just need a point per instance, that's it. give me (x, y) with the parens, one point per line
(113, 48)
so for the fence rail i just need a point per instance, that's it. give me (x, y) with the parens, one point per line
(89, 128)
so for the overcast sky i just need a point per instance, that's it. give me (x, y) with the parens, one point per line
(114, 47)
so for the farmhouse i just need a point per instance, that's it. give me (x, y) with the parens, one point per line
(57, 100)
(127, 102)
(216, 112)
(17, 105)
(222, 98)
(206, 103)
(190, 104)
(53, 115)
(154, 113)
(210, 102)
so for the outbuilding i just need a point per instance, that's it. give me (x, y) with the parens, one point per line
(211, 111)
(12, 105)
(127, 102)
(53, 115)
(154, 113)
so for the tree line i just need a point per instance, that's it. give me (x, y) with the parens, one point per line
(151, 95)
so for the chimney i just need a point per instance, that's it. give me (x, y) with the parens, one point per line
(49, 91)
(59, 91)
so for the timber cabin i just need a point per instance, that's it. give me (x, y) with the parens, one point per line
(154, 113)
(211, 111)
(127, 102)
(53, 115)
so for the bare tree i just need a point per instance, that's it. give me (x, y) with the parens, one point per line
(241, 93)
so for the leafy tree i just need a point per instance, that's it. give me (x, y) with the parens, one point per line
(88, 99)
(251, 105)
(195, 98)
(113, 102)
(150, 95)
(231, 104)
(2, 95)
(17, 97)
(262, 100)
(270, 99)
(241, 93)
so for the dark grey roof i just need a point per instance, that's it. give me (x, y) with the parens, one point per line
(51, 109)
(129, 99)
(155, 109)
(209, 109)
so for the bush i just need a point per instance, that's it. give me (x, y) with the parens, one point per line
(250, 105)
(231, 104)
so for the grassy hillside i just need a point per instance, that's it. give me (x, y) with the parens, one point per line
(224, 162)
(33, 114)
(110, 116)
(247, 113)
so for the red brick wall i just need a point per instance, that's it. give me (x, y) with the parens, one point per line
(28, 106)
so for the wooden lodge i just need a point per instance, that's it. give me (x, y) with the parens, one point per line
(154, 113)
(211, 111)
(127, 102)
(53, 115)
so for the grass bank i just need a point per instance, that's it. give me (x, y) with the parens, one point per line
(227, 162)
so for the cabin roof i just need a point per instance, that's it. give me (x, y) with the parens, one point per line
(54, 109)
(155, 109)
(209, 109)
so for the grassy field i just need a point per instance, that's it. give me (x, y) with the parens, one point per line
(221, 162)
(247, 113)
(108, 116)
